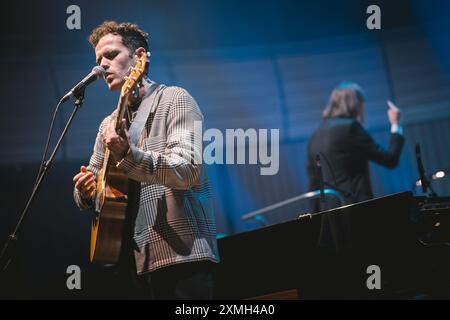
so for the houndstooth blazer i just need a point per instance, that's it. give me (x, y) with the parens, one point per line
(174, 220)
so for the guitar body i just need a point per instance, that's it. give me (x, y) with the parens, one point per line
(112, 185)
(107, 227)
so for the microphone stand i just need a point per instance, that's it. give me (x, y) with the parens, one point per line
(347, 194)
(426, 184)
(8, 252)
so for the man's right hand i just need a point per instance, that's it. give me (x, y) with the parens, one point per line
(393, 113)
(85, 183)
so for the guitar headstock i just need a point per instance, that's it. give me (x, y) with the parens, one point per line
(136, 74)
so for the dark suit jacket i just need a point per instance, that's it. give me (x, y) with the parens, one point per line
(347, 148)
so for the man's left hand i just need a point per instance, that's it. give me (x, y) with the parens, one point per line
(116, 141)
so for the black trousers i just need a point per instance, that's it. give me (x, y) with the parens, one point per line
(183, 281)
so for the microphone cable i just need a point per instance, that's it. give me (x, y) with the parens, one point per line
(346, 194)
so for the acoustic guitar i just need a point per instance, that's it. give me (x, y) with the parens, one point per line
(112, 186)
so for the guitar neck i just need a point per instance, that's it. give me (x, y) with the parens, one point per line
(121, 108)
(131, 81)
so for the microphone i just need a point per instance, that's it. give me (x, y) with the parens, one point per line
(440, 174)
(321, 183)
(96, 73)
(423, 179)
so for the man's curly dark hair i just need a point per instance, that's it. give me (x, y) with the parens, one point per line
(132, 36)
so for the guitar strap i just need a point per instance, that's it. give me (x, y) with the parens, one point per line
(148, 104)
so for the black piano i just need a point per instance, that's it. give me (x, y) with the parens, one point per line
(393, 247)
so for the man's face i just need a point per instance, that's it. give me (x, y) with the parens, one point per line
(114, 57)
